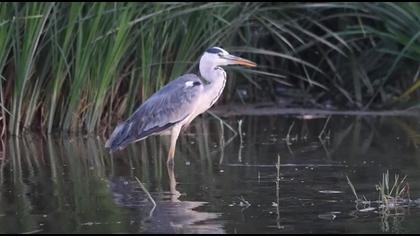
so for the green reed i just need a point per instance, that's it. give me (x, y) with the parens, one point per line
(82, 67)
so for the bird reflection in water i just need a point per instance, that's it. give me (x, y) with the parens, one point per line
(170, 215)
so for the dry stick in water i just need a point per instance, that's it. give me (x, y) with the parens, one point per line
(147, 192)
(287, 139)
(222, 142)
(241, 141)
(220, 119)
(278, 192)
(288, 133)
(352, 188)
(3, 123)
(323, 129)
(321, 140)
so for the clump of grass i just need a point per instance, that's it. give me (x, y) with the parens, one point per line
(393, 199)
(393, 195)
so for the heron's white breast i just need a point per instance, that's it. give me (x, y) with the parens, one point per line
(212, 92)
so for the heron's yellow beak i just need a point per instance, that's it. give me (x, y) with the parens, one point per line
(240, 61)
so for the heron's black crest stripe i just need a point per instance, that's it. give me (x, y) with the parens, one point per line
(213, 50)
(196, 83)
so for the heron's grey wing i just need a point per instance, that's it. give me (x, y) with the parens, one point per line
(170, 105)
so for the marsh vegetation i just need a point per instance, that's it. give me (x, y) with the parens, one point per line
(81, 67)
(292, 147)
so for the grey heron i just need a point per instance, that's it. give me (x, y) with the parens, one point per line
(175, 105)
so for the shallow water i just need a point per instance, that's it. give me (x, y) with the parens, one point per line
(221, 183)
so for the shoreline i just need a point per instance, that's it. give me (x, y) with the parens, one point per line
(262, 109)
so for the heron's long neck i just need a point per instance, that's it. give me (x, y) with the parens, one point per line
(211, 73)
(216, 80)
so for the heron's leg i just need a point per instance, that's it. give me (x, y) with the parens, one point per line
(172, 184)
(174, 137)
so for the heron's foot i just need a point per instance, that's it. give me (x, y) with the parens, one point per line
(175, 196)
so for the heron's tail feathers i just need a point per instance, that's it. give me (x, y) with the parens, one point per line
(118, 136)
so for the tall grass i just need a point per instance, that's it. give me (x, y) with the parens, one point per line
(384, 63)
(80, 67)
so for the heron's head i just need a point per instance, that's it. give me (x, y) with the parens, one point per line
(219, 57)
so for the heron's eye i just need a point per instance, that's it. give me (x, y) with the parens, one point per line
(220, 54)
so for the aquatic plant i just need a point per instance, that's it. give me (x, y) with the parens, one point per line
(393, 195)
(80, 67)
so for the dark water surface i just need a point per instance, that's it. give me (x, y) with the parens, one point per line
(222, 183)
